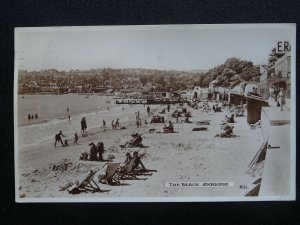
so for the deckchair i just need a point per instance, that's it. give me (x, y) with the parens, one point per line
(131, 171)
(88, 184)
(260, 155)
(115, 172)
(111, 171)
(127, 172)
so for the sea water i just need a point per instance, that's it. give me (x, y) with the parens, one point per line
(53, 112)
(49, 107)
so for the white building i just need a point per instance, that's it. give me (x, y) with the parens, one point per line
(196, 93)
(283, 66)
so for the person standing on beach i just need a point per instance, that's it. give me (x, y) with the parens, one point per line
(113, 124)
(83, 125)
(58, 139)
(69, 116)
(100, 149)
(148, 110)
(117, 123)
(93, 152)
(137, 119)
(76, 138)
(281, 98)
(104, 124)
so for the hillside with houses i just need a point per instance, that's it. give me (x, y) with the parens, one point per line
(229, 74)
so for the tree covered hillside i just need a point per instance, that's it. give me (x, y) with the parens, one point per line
(231, 73)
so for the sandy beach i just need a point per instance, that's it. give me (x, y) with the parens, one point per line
(184, 156)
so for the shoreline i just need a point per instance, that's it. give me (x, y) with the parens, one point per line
(127, 119)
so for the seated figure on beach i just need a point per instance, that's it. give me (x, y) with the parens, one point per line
(214, 108)
(227, 131)
(169, 128)
(157, 119)
(188, 114)
(186, 120)
(128, 158)
(84, 156)
(227, 119)
(122, 166)
(137, 161)
(134, 142)
(239, 112)
(137, 140)
(163, 111)
(73, 187)
(231, 119)
(66, 143)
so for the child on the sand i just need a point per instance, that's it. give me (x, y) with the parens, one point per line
(76, 138)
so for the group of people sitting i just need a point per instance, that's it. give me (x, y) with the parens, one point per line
(238, 110)
(226, 128)
(157, 119)
(132, 166)
(136, 158)
(95, 154)
(217, 107)
(226, 131)
(229, 119)
(182, 113)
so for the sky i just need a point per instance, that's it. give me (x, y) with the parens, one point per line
(171, 47)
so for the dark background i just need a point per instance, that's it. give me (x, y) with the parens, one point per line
(87, 12)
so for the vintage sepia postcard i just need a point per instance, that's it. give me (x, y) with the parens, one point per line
(164, 113)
